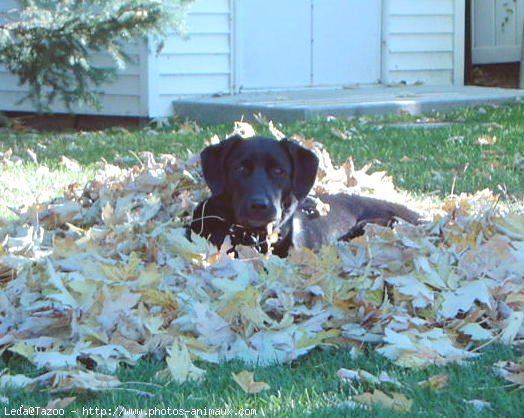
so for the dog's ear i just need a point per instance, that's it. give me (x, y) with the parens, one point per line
(305, 166)
(212, 159)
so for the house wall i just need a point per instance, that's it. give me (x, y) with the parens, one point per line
(197, 63)
(423, 41)
(122, 97)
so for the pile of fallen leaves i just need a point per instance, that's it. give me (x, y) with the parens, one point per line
(106, 276)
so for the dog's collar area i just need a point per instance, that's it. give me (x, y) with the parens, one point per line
(259, 240)
(242, 236)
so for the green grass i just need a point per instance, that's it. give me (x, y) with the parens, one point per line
(421, 160)
(436, 161)
(308, 387)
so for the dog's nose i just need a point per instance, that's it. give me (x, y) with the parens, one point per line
(259, 204)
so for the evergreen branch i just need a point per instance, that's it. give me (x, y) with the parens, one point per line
(50, 46)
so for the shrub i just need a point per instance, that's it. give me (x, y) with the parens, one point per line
(48, 44)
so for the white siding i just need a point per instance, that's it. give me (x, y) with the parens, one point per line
(422, 41)
(496, 31)
(197, 63)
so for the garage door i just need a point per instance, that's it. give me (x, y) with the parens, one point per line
(301, 43)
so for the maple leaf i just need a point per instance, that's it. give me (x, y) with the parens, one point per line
(75, 380)
(246, 381)
(396, 402)
(476, 332)
(512, 327)
(421, 349)
(477, 404)
(17, 381)
(487, 140)
(54, 360)
(421, 295)
(179, 365)
(511, 225)
(246, 305)
(244, 129)
(436, 382)
(363, 375)
(60, 403)
(462, 299)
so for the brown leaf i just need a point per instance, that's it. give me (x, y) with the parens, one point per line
(436, 382)
(487, 140)
(60, 403)
(397, 401)
(245, 380)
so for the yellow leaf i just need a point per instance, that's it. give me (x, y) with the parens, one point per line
(318, 339)
(246, 380)
(179, 365)
(453, 204)
(247, 304)
(275, 131)
(123, 272)
(517, 378)
(439, 381)
(64, 247)
(397, 401)
(244, 129)
(422, 358)
(487, 140)
(149, 278)
(22, 349)
(60, 403)
(165, 299)
(511, 371)
(511, 225)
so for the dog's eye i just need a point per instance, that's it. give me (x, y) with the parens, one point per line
(243, 168)
(278, 171)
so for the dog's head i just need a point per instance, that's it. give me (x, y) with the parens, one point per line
(261, 179)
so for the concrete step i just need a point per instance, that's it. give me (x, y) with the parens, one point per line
(287, 106)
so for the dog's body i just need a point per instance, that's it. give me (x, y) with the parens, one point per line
(260, 185)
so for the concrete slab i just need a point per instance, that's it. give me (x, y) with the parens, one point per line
(287, 106)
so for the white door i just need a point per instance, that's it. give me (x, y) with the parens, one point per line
(346, 41)
(272, 43)
(303, 43)
(496, 30)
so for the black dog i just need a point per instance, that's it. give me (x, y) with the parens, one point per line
(261, 185)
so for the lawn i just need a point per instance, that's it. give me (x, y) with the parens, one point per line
(462, 151)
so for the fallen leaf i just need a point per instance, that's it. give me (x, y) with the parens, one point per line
(180, 368)
(436, 382)
(245, 380)
(244, 129)
(70, 164)
(511, 371)
(396, 402)
(487, 140)
(478, 405)
(60, 403)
